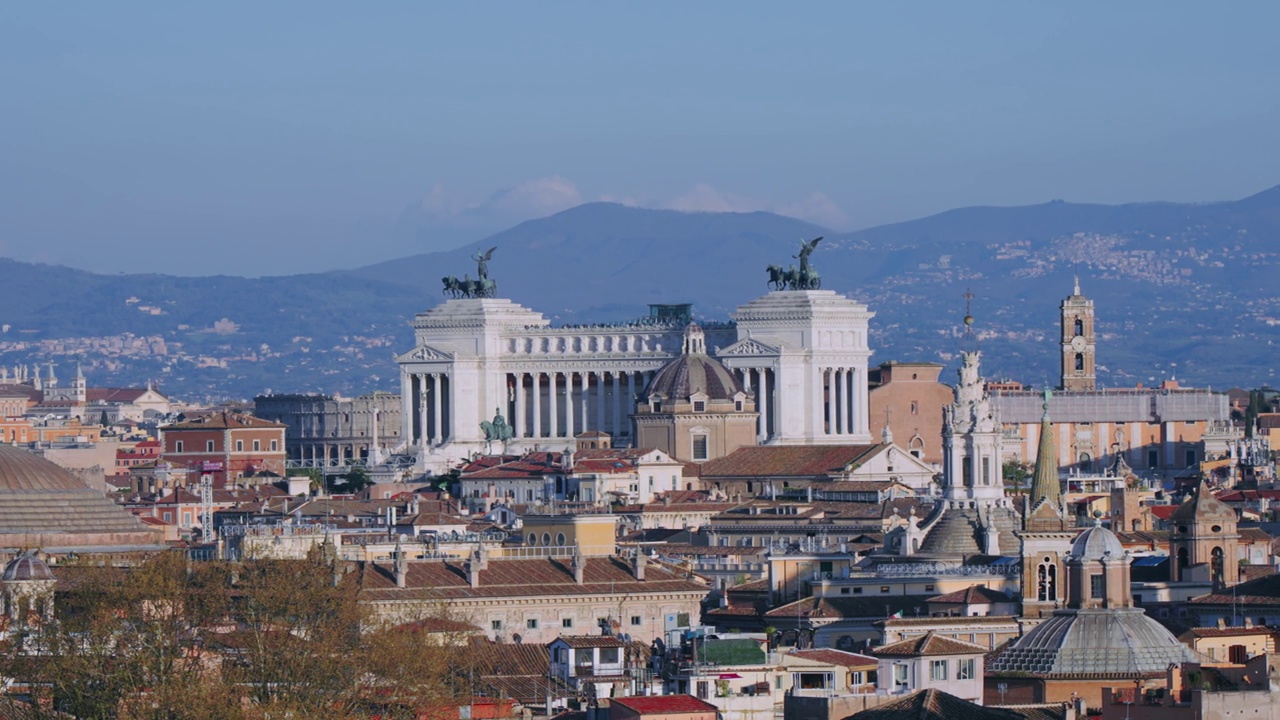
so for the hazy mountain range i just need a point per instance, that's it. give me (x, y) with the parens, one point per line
(1180, 289)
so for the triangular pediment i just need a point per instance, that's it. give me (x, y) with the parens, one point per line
(748, 347)
(424, 353)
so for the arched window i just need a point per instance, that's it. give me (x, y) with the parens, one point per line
(1047, 582)
(1183, 561)
(1216, 564)
(1079, 326)
(1080, 361)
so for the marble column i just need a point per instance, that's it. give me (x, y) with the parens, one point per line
(422, 437)
(553, 406)
(763, 406)
(600, 424)
(519, 419)
(838, 404)
(406, 407)
(537, 404)
(617, 404)
(569, 407)
(437, 402)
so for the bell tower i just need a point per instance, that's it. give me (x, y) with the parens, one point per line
(1079, 343)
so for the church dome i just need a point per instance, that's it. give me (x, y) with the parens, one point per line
(694, 372)
(1109, 642)
(1097, 543)
(26, 567)
(43, 505)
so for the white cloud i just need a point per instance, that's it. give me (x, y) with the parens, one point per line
(534, 198)
(704, 198)
(817, 208)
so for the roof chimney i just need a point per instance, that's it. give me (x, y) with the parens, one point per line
(474, 567)
(637, 565)
(401, 565)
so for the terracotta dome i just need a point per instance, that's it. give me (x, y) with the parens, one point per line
(24, 568)
(694, 372)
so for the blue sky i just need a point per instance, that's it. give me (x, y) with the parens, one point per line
(275, 138)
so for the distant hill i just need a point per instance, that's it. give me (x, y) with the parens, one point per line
(1180, 289)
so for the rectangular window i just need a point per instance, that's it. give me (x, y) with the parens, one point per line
(257, 446)
(1191, 458)
(239, 446)
(566, 622)
(737, 406)
(899, 677)
(986, 471)
(844, 591)
(275, 445)
(884, 588)
(635, 620)
(496, 624)
(964, 669)
(1097, 586)
(1153, 458)
(608, 656)
(531, 624)
(857, 591)
(177, 446)
(937, 670)
(699, 447)
(928, 588)
(699, 405)
(208, 446)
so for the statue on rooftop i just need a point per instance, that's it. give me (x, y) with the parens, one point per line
(793, 278)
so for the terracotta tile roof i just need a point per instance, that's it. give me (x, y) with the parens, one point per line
(979, 621)
(1208, 632)
(578, 642)
(934, 704)
(1163, 511)
(115, 395)
(789, 461)
(972, 595)
(929, 644)
(838, 607)
(1262, 591)
(1253, 572)
(222, 421)
(665, 704)
(835, 657)
(516, 469)
(504, 577)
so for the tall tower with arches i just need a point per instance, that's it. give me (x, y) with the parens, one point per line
(1202, 531)
(1079, 342)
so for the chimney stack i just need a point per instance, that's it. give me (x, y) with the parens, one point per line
(637, 566)
(474, 566)
(401, 565)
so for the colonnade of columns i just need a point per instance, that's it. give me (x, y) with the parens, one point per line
(762, 383)
(424, 398)
(563, 403)
(845, 392)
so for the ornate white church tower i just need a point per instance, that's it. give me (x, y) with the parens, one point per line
(971, 441)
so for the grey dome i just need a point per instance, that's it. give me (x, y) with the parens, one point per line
(1112, 642)
(26, 567)
(694, 372)
(1096, 543)
(45, 506)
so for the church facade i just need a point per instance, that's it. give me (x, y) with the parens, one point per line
(800, 355)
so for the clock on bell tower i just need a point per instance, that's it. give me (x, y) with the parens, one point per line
(1078, 342)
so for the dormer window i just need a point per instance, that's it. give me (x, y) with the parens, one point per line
(699, 406)
(737, 406)
(655, 405)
